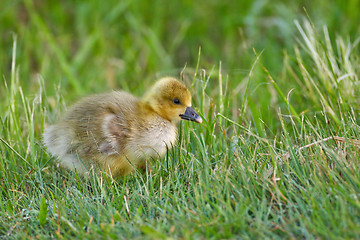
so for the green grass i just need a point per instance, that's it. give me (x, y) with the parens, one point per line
(269, 90)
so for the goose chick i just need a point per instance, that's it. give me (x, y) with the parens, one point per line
(118, 132)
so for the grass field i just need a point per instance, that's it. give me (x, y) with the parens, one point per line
(276, 82)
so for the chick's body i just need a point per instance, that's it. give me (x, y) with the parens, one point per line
(117, 131)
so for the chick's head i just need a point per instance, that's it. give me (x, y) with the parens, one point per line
(171, 99)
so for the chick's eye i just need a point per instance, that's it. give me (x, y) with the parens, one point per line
(176, 101)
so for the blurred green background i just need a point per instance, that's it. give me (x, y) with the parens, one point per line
(93, 46)
(83, 47)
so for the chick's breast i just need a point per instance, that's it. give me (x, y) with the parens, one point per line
(151, 138)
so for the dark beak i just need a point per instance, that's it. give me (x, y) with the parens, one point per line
(191, 115)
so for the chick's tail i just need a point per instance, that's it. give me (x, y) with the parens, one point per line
(57, 139)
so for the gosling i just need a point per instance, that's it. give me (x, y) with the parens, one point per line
(117, 132)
